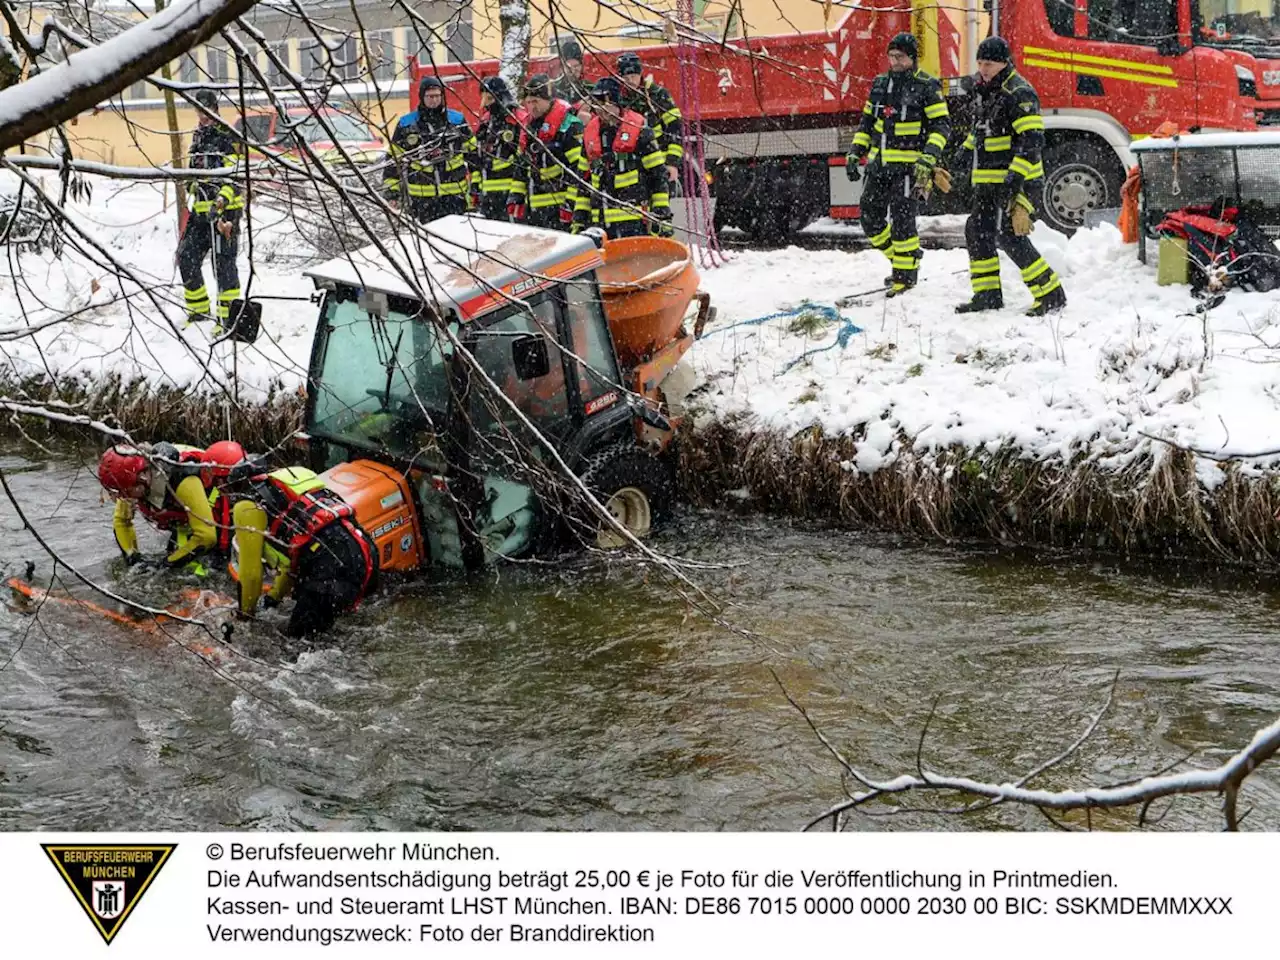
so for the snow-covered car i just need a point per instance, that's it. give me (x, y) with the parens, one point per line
(353, 140)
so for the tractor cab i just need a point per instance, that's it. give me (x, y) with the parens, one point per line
(437, 364)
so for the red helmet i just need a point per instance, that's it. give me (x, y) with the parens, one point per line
(225, 453)
(121, 469)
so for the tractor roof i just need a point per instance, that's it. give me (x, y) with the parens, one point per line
(464, 263)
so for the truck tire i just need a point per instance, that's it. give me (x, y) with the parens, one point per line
(1079, 176)
(636, 487)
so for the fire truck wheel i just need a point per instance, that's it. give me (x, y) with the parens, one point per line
(636, 487)
(1078, 177)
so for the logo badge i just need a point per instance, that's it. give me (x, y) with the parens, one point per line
(108, 880)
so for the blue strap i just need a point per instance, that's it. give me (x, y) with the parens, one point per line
(847, 328)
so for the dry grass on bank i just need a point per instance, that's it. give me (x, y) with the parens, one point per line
(1157, 506)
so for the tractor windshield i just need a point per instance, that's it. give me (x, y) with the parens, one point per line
(1238, 24)
(381, 384)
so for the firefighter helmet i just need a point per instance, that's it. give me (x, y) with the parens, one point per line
(122, 469)
(571, 50)
(607, 89)
(628, 64)
(207, 99)
(538, 85)
(497, 88)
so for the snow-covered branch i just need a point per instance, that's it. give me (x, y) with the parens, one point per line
(97, 74)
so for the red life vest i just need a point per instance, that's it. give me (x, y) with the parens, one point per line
(306, 515)
(625, 138)
(548, 127)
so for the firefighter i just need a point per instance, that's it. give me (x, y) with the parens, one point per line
(428, 157)
(544, 192)
(295, 525)
(621, 159)
(1008, 183)
(179, 489)
(571, 86)
(905, 126)
(497, 143)
(213, 220)
(653, 102)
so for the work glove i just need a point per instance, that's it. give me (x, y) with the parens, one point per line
(1020, 215)
(1012, 186)
(566, 215)
(143, 562)
(942, 179)
(922, 172)
(224, 228)
(516, 212)
(853, 167)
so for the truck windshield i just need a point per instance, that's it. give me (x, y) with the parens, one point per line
(381, 384)
(1242, 24)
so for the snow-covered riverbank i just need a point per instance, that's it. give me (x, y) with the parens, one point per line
(1126, 361)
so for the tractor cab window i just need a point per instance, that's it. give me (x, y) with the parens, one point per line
(503, 349)
(381, 383)
(597, 367)
(1143, 22)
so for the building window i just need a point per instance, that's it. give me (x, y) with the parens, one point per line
(278, 63)
(189, 70)
(314, 60)
(137, 91)
(382, 54)
(216, 60)
(345, 56)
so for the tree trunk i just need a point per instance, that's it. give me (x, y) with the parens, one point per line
(517, 31)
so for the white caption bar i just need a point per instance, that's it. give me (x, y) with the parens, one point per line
(632, 895)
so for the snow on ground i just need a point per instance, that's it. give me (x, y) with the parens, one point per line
(1126, 357)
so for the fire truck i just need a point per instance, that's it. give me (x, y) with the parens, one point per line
(772, 117)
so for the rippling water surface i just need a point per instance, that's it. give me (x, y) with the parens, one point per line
(591, 697)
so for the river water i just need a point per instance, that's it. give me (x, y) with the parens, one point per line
(590, 696)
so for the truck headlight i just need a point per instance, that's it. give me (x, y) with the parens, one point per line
(1247, 82)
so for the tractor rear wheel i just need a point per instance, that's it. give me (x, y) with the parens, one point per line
(635, 487)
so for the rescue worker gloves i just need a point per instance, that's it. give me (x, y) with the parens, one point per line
(923, 174)
(853, 167)
(660, 225)
(566, 214)
(1020, 215)
(942, 179)
(516, 211)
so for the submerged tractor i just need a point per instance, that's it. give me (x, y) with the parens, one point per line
(585, 339)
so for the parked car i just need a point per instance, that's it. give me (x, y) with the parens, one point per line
(283, 136)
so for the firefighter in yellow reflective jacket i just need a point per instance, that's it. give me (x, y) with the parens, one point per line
(629, 195)
(905, 126)
(655, 103)
(544, 191)
(178, 489)
(213, 222)
(1008, 185)
(298, 527)
(427, 159)
(497, 146)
